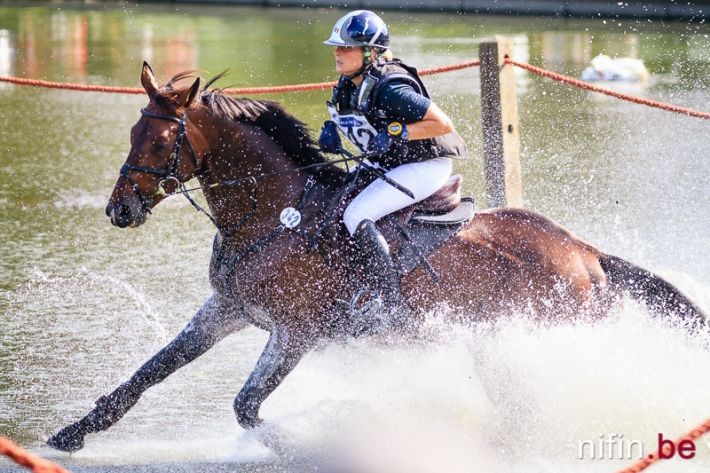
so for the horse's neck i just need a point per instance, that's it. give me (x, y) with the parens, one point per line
(239, 153)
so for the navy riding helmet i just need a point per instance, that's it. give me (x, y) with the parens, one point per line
(360, 28)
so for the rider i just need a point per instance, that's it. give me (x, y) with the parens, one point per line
(381, 105)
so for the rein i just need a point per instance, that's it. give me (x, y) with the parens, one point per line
(234, 182)
(169, 173)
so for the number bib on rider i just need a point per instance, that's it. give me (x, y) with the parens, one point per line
(355, 126)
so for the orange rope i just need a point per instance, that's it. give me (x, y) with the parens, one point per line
(280, 88)
(24, 458)
(69, 86)
(451, 67)
(325, 85)
(241, 90)
(602, 90)
(644, 463)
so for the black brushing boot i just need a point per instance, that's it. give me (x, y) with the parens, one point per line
(109, 409)
(380, 274)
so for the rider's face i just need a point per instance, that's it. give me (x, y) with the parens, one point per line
(349, 60)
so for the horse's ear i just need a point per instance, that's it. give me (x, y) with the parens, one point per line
(148, 80)
(187, 98)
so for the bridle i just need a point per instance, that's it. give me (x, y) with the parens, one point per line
(169, 172)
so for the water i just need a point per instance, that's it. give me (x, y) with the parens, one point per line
(83, 304)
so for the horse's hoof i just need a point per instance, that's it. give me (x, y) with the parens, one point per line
(248, 418)
(249, 422)
(69, 439)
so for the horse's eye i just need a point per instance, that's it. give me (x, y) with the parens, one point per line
(160, 146)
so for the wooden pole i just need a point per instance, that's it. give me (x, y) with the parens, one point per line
(499, 116)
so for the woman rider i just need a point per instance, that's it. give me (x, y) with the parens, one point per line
(381, 105)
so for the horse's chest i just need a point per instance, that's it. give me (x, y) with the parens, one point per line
(239, 283)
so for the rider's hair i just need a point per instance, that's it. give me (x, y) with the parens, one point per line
(386, 54)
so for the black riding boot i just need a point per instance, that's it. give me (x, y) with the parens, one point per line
(380, 274)
(109, 409)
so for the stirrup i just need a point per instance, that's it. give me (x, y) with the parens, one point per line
(364, 314)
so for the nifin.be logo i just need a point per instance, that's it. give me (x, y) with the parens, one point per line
(614, 446)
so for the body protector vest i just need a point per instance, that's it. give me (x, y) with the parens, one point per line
(360, 116)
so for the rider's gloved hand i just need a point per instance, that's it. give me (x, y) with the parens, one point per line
(386, 138)
(329, 140)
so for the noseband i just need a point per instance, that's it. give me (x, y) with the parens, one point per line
(169, 172)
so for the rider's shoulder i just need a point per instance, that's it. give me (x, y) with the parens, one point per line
(397, 89)
(401, 101)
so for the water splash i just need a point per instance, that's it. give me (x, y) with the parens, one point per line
(513, 396)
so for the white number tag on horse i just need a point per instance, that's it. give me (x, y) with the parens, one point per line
(290, 217)
(355, 126)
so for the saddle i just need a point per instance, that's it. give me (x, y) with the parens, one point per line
(412, 233)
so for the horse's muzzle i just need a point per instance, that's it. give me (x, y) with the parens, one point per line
(123, 215)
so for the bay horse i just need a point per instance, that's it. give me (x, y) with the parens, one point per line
(252, 160)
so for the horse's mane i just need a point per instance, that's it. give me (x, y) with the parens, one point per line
(290, 133)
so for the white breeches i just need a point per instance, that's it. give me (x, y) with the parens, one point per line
(380, 199)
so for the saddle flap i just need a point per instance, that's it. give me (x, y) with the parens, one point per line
(426, 233)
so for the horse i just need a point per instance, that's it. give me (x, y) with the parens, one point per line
(252, 160)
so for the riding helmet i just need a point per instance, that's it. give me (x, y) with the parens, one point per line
(360, 28)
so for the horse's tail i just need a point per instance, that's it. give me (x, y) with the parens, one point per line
(660, 296)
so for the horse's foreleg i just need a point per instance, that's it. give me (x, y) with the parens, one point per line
(282, 353)
(209, 325)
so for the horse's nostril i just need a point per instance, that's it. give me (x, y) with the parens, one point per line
(108, 210)
(123, 211)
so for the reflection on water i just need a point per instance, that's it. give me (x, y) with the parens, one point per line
(82, 304)
(82, 44)
(7, 53)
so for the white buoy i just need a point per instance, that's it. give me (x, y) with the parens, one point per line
(624, 69)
